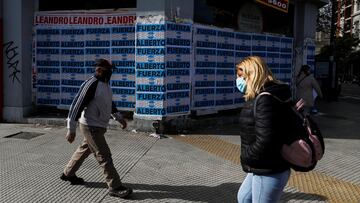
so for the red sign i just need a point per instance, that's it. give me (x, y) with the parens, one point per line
(281, 5)
(68, 19)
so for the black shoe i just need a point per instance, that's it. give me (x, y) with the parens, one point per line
(74, 180)
(121, 192)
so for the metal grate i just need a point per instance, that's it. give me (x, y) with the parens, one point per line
(24, 135)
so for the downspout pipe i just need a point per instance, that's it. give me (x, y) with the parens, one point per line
(1, 63)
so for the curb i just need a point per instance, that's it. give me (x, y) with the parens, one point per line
(181, 124)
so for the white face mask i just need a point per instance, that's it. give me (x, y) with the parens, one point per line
(241, 84)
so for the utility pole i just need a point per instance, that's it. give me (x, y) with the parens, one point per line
(1, 63)
(332, 84)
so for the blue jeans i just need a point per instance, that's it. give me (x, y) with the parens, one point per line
(263, 188)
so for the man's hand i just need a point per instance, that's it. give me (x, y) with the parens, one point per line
(119, 117)
(123, 123)
(70, 137)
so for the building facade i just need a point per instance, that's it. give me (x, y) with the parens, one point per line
(356, 19)
(173, 67)
(348, 17)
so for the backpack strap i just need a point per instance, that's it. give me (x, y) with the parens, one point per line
(300, 114)
(257, 98)
(268, 93)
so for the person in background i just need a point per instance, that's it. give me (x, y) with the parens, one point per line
(93, 107)
(262, 135)
(307, 88)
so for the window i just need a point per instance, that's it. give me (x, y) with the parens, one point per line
(348, 12)
(348, 2)
(356, 29)
(347, 25)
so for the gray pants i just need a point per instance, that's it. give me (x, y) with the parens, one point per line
(94, 142)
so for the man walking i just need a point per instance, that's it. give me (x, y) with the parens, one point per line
(93, 107)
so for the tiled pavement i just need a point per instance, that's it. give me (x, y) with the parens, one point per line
(160, 170)
(336, 178)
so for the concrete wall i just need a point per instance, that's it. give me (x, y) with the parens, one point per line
(18, 16)
(172, 8)
(180, 9)
(150, 6)
(304, 30)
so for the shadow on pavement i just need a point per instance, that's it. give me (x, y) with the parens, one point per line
(95, 185)
(226, 192)
(222, 193)
(302, 196)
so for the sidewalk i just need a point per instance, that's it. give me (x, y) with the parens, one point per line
(160, 170)
(199, 167)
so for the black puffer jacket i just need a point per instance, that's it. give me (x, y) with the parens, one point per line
(262, 137)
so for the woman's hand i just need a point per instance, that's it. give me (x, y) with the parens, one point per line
(300, 104)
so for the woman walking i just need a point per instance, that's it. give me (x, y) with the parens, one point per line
(262, 135)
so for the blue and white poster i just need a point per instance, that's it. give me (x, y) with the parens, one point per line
(48, 66)
(68, 43)
(163, 65)
(204, 73)
(123, 57)
(286, 59)
(225, 69)
(150, 70)
(178, 68)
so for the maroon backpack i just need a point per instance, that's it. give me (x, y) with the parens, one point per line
(307, 147)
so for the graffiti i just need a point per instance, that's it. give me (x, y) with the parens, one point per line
(11, 53)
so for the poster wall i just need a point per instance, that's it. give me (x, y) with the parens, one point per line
(216, 53)
(163, 68)
(67, 44)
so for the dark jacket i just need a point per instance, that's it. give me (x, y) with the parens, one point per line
(262, 137)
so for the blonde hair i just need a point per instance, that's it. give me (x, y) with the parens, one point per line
(256, 74)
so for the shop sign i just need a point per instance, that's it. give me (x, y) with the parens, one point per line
(281, 5)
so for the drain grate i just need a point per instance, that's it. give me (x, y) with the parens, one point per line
(24, 135)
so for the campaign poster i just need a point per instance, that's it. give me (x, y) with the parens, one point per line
(150, 69)
(66, 45)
